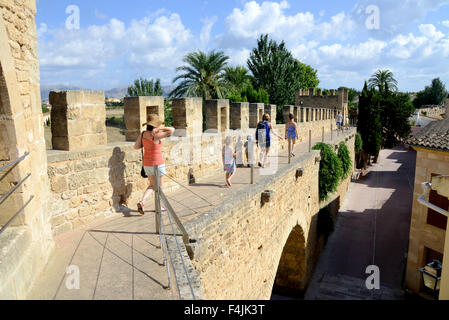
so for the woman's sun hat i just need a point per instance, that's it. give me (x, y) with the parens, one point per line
(154, 121)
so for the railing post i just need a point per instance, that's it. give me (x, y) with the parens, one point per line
(310, 141)
(157, 199)
(252, 173)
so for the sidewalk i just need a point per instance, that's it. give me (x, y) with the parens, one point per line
(120, 258)
(372, 229)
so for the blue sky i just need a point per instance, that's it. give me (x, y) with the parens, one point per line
(119, 41)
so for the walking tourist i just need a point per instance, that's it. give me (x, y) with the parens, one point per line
(263, 137)
(291, 133)
(339, 121)
(250, 150)
(151, 141)
(229, 160)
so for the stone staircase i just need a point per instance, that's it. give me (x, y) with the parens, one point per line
(342, 287)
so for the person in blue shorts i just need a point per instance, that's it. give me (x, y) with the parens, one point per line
(291, 133)
(263, 138)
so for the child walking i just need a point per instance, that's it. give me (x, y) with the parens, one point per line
(291, 133)
(250, 151)
(229, 160)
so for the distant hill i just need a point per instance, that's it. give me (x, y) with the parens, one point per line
(45, 90)
(114, 93)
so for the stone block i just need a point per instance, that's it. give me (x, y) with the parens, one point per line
(137, 111)
(256, 112)
(59, 184)
(188, 116)
(76, 114)
(217, 115)
(239, 116)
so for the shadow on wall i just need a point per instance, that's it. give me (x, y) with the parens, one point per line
(121, 191)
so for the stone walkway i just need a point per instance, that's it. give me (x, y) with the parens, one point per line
(372, 229)
(120, 258)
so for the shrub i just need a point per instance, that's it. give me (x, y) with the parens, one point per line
(116, 122)
(358, 143)
(345, 158)
(45, 109)
(331, 170)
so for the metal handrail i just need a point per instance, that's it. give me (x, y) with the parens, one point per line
(185, 235)
(14, 188)
(159, 195)
(15, 216)
(7, 194)
(15, 161)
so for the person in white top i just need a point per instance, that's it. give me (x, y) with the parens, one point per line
(229, 160)
(339, 121)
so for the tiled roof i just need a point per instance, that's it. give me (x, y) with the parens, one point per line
(435, 136)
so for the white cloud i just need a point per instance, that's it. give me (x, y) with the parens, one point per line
(205, 35)
(100, 15)
(157, 42)
(445, 23)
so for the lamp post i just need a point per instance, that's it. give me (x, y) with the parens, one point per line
(432, 276)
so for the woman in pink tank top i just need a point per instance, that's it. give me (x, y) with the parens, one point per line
(151, 141)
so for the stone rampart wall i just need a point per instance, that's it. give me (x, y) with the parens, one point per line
(240, 242)
(92, 184)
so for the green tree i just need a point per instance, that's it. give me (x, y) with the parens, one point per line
(383, 80)
(435, 94)
(202, 76)
(237, 77)
(345, 157)
(396, 109)
(276, 70)
(369, 124)
(145, 88)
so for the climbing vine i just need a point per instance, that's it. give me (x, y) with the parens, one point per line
(331, 170)
(345, 158)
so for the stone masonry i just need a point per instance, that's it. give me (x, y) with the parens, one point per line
(240, 116)
(26, 245)
(217, 115)
(78, 119)
(256, 112)
(188, 116)
(245, 243)
(137, 111)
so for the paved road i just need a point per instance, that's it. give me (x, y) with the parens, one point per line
(372, 229)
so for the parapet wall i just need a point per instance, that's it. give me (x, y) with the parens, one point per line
(104, 181)
(436, 112)
(240, 243)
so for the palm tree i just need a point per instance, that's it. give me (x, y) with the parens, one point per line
(145, 88)
(202, 76)
(237, 77)
(383, 80)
